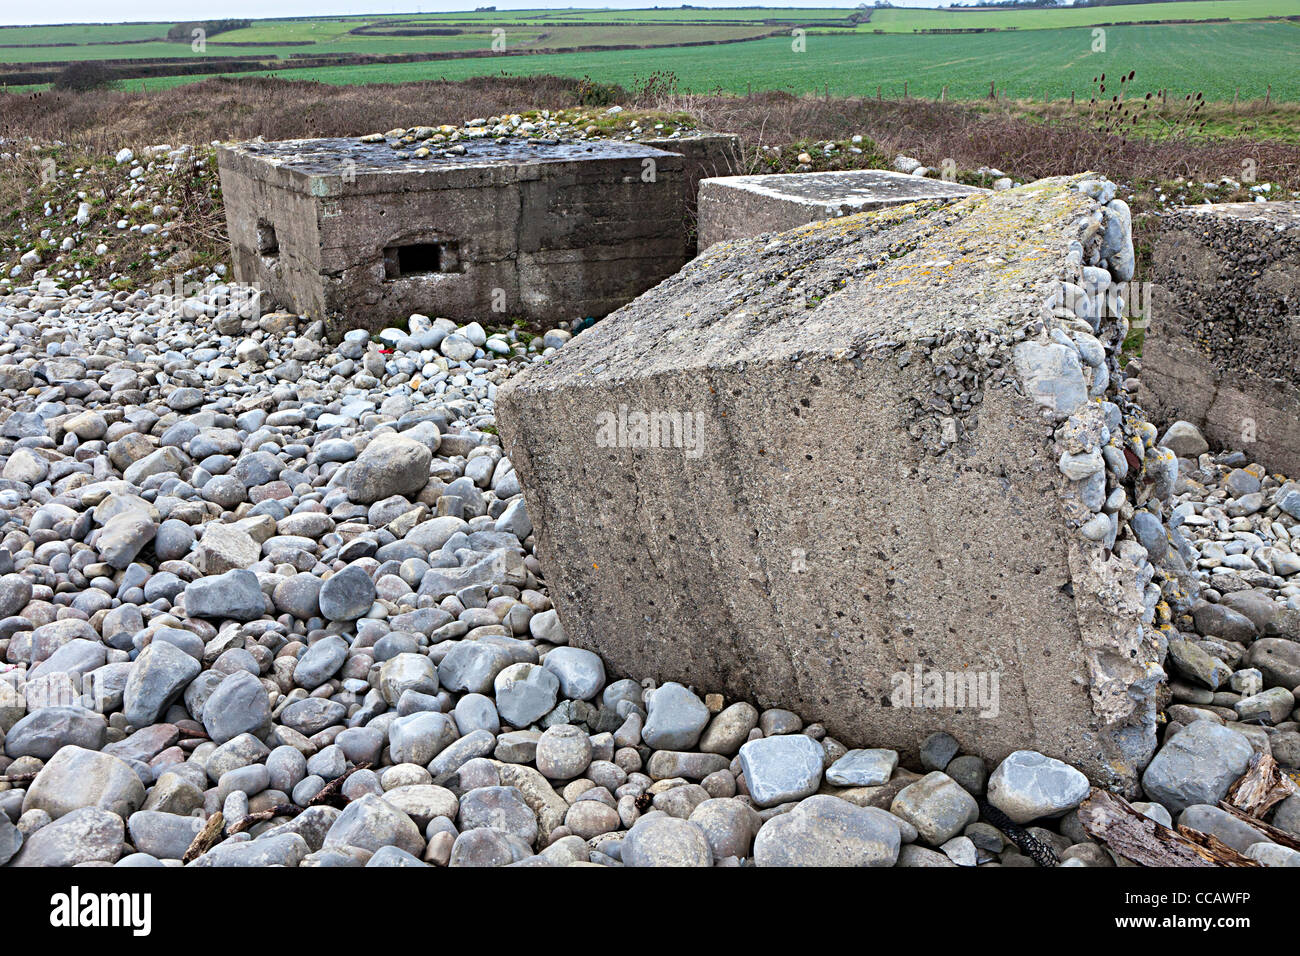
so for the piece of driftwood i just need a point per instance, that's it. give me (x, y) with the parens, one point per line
(261, 816)
(206, 838)
(1225, 854)
(1270, 831)
(1130, 834)
(1260, 787)
(331, 794)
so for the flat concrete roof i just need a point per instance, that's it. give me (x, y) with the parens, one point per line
(854, 189)
(736, 207)
(327, 157)
(1283, 213)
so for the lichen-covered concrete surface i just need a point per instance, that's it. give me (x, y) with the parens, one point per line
(902, 420)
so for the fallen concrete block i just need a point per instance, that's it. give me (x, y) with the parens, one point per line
(738, 207)
(881, 473)
(1222, 347)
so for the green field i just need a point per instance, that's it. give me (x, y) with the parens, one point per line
(667, 15)
(1213, 59)
(516, 37)
(1027, 54)
(159, 50)
(327, 37)
(84, 33)
(902, 20)
(333, 37)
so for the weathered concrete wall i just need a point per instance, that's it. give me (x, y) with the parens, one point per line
(704, 156)
(738, 207)
(548, 232)
(254, 195)
(1223, 347)
(883, 409)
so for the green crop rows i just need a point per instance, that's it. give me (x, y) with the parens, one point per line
(1032, 53)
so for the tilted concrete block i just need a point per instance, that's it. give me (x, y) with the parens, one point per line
(884, 460)
(1222, 347)
(739, 207)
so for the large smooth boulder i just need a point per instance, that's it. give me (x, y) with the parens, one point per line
(937, 806)
(163, 835)
(370, 822)
(239, 705)
(320, 661)
(406, 672)
(88, 835)
(1197, 765)
(419, 737)
(284, 849)
(782, 768)
(347, 595)
(827, 831)
(235, 595)
(502, 808)
(159, 675)
(43, 732)
(660, 840)
(1027, 786)
(390, 465)
(76, 778)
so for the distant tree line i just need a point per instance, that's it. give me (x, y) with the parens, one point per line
(1115, 3)
(1017, 4)
(184, 31)
(1031, 4)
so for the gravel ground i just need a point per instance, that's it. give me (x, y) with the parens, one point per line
(249, 573)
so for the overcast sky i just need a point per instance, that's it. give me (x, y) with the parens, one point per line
(171, 11)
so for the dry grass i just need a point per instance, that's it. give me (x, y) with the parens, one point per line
(1020, 145)
(1152, 117)
(1025, 141)
(234, 109)
(35, 180)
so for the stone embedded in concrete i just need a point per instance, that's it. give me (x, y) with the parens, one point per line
(346, 231)
(739, 207)
(1222, 348)
(835, 430)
